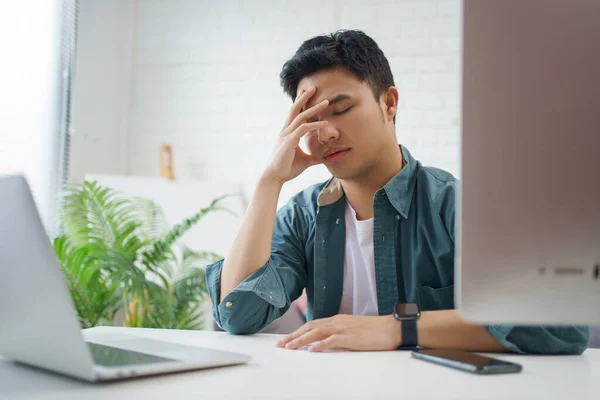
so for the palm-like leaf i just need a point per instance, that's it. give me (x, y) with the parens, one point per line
(83, 304)
(160, 249)
(152, 221)
(97, 214)
(119, 254)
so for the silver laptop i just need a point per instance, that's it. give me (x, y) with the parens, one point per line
(38, 323)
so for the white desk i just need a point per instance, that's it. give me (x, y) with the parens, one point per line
(284, 374)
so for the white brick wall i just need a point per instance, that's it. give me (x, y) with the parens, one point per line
(101, 87)
(205, 78)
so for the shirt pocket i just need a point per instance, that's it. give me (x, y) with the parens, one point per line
(430, 299)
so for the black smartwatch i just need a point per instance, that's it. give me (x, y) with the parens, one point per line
(408, 314)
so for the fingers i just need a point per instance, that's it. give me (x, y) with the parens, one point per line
(310, 159)
(329, 343)
(306, 128)
(309, 337)
(308, 333)
(297, 333)
(301, 100)
(293, 141)
(296, 116)
(306, 115)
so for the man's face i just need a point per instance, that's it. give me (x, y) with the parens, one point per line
(357, 132)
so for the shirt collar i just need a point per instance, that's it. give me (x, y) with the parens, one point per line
(399, 189)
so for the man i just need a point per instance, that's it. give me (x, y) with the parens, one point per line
(379, 233)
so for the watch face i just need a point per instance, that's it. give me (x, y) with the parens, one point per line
(407, 310)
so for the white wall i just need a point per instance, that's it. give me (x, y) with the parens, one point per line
(205, 78)
(29, 94)
(102, 87)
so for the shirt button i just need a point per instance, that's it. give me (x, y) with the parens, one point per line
(397, 217)
(337, 221)
(228, 304)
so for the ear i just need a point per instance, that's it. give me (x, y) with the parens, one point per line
(389, 103)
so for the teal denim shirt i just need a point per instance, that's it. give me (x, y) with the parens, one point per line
(413, 243)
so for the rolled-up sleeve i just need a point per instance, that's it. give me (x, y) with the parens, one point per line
(541, 340)
(268, 292)
(521, 339)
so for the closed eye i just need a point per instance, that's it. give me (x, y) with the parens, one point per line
(342, 112)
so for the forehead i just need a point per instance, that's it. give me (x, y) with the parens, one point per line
(332, 82)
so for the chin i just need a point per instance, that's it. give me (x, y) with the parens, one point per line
(350, 172)
(342, 173)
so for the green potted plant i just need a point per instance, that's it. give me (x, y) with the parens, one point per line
(123, 264)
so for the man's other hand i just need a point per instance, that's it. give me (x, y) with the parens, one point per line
(347, 332)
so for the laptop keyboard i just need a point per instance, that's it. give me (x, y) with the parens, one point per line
(113, 357)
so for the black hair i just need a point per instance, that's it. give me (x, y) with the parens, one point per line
(350, 49)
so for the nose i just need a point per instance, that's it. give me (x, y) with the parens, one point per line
(327, 134)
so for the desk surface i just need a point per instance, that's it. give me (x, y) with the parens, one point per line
(284, 374)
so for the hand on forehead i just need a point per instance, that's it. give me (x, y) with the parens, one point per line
(333, 85)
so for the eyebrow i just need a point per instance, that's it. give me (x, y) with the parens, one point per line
(338, 98)
(335, 100)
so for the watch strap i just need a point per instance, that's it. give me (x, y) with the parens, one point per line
(410, 336)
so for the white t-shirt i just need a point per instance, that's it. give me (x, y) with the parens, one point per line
(359, 296)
